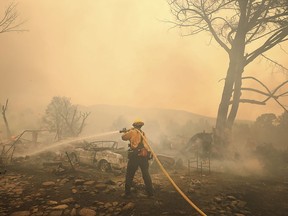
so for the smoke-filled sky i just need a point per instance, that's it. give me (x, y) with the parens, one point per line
(118, 53)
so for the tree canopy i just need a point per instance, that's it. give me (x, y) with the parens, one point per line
(64, 118)
(253, 20)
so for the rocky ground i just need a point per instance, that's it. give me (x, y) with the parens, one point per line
(39, 190)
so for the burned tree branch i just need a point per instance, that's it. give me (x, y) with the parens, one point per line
(256, 90)
(269, 94)
(84, 117)
(250, 101)
(4, 109)
(9, 22)
(275, 63)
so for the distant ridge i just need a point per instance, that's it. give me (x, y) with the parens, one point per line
(162, 121)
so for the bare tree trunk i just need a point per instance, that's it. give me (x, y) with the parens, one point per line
(232, 87)
(224, 104)
(221, 123)
(233, 81)
(236, 99)
(84, 117)
(4, 109)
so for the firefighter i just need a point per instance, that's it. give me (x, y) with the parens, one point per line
(138, 156)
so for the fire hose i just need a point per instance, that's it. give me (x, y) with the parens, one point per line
(171, 180)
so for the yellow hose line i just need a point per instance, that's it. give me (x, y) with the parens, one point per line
(172, 181)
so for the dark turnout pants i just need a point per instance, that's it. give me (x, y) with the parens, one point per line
(133, 163)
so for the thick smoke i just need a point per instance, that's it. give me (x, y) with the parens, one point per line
(169, 133)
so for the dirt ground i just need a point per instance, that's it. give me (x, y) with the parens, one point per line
(215, 193)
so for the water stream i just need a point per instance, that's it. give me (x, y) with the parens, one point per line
(69, 141)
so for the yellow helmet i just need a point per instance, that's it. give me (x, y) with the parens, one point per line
(138, 123)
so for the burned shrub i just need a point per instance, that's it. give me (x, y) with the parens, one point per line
(274, 160)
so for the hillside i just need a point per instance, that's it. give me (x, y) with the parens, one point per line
(158, 122)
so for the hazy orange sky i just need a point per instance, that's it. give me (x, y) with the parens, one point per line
(118, 53)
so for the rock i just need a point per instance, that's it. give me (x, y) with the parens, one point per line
(110, 209)
(55, 213)
(48, 184)
(218, 199)
(99, 203)
(34, 209)
(87, 212)
(117, 212)
(180, 212)
(79, 181)
(66, 212)
(107, 205)
(39, 213)
(18, 191)
(222, 212)
(64, 181)
(89, 182)
(52, 202)
(21, 213)
(101, 186)
(28, 199)
(231, 198)
(38, 194)
(110, 182)
(93, 193)
(234, 203)
(68, 200)
(128, 206)
(60, 207)
(245, 212)
(241, 204)
(73, 212)
(158, 203)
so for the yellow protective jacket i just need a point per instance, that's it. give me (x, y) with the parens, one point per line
(134, 137)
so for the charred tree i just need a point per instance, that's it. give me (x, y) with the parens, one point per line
(236, 25)
(64, 118)
(9, 23)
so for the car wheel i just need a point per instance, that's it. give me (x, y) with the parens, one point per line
(104, 166)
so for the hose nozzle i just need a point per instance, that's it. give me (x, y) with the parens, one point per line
(124, 130)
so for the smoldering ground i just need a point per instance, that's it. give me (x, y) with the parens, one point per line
(168, 132)
(233, 179)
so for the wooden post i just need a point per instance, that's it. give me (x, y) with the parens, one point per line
(70, 161)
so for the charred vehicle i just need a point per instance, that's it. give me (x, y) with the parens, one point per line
(105, 155)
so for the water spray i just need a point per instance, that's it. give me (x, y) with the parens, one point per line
(71, 141)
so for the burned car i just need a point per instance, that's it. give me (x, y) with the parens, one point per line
(105, 155)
